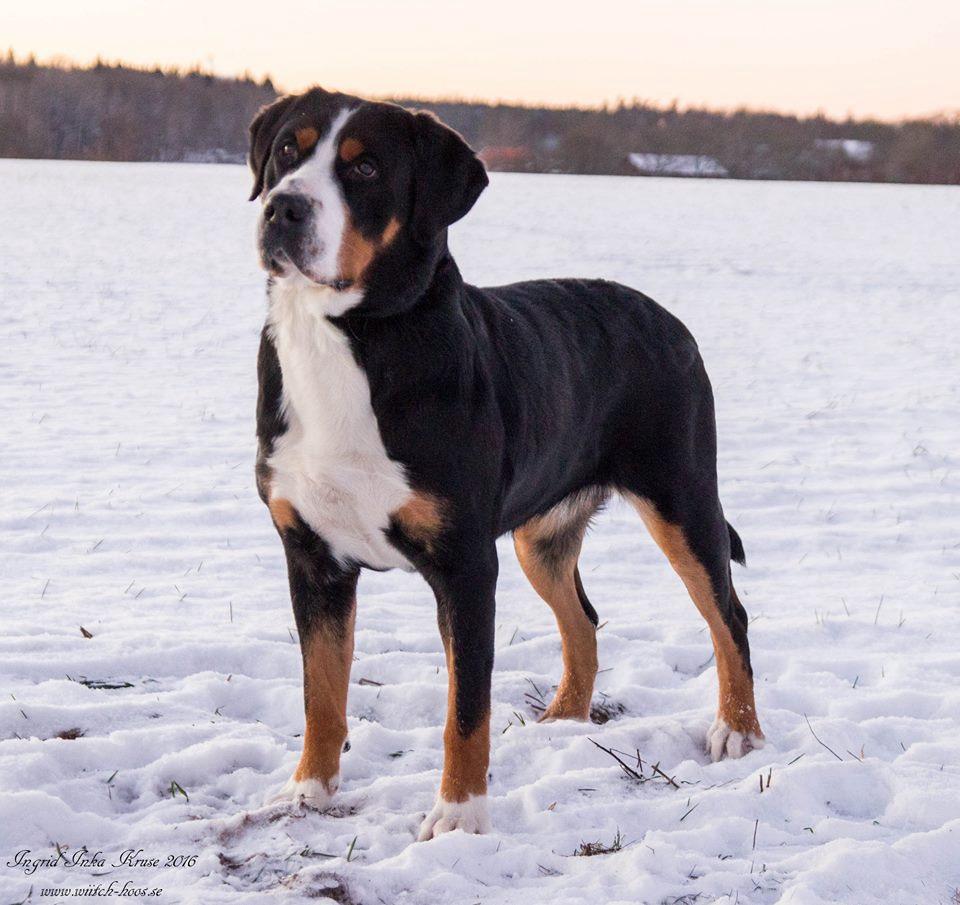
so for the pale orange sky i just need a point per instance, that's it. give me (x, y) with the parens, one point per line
(865, 57)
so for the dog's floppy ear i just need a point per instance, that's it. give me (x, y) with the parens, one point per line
(448, 177)
(263, 130)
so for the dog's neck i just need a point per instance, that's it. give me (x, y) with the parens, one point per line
(397, 288)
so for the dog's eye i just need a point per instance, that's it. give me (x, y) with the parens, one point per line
(365, 168)
(288, 151)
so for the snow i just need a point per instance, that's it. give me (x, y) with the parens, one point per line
(827, 316)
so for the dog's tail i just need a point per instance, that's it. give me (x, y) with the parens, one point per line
(736, 546)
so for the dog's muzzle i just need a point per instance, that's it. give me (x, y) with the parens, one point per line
(286, 236)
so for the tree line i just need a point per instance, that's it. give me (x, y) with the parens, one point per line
(114, 112)
(117, 112)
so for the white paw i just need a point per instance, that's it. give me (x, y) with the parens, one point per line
(723, 740)
(470, 816)
(311, 793)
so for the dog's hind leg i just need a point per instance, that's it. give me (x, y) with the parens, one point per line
(697, 541)
(548, 548)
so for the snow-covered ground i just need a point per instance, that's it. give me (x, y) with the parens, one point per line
(828, 318)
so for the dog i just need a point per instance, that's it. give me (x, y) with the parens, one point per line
(406, 419)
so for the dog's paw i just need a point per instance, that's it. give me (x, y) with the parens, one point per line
(723, 740)
(310, 793)
(552, 716)
(470, 816)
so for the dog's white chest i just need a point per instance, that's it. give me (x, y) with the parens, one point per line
(331, 463)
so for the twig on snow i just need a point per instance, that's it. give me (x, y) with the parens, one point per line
(817, 737)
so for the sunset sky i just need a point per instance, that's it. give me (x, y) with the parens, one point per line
(865, 57)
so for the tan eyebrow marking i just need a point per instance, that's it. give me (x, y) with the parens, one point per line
(306, 137)
(351, 149)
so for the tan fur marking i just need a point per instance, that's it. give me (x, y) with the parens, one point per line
(357, 252)
(306, 137)
(421, 518)
(284, 515)
(390, 233)
(578, 636)
(351, 149)
(465, 758)
(736, 702)
(326, 675)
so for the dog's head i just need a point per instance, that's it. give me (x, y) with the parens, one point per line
(355, 191)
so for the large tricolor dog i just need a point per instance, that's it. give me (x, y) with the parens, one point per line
(407, 420)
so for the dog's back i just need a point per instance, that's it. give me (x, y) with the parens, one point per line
(578, 361)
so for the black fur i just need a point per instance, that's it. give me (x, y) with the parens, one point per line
(263, 131)
(322, 591)
(737, 553)
(270, 423)
(503, 401)
(584, 601)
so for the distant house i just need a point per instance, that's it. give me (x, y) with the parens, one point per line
(853, 149)
(505, 157)
(678, 165)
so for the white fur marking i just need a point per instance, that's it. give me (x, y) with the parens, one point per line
(315, 179)
(722, 739)
(307, 792)
(471, 816)
(331, 463)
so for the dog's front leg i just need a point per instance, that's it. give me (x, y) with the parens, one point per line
(324, 606)
(465, 612)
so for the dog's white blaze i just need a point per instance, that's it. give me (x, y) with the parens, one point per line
(331, 463)
(315, 179)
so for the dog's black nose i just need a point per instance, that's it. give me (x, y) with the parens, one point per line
(286, 209)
